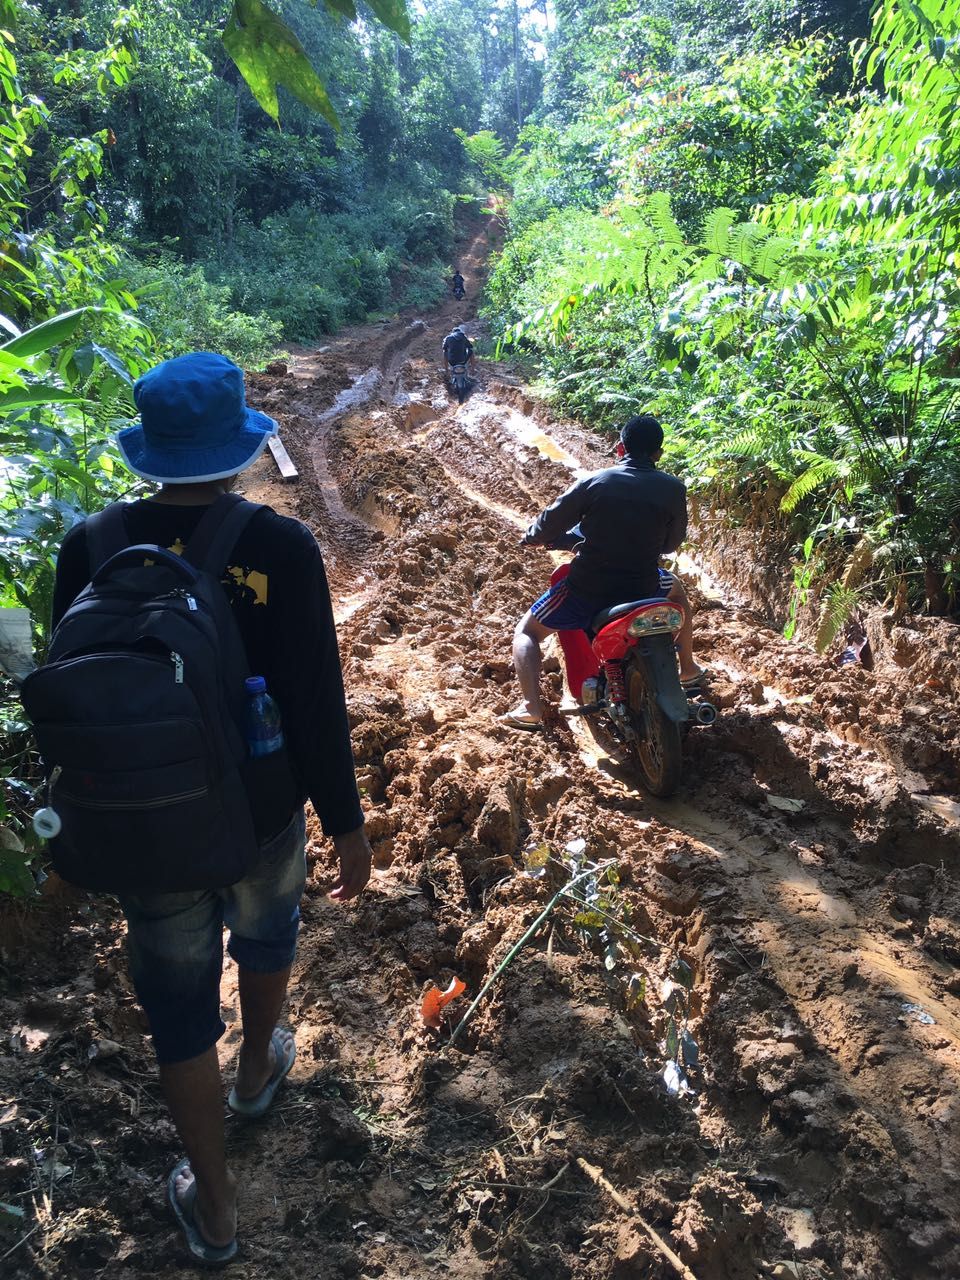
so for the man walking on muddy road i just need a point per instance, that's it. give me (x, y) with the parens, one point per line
(194, 436)
(625, 517)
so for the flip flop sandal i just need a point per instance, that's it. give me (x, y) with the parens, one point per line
(209, 1255)
(257, 1105)
(695, 680)
(520, 720)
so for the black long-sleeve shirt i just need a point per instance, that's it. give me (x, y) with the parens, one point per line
(278, 588)
(629, 516)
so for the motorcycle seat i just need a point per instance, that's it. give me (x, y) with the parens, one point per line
(615, 611)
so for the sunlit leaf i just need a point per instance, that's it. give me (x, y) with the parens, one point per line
(636, 990)
(268, 54)
(672, 1042)
(393, 14)
(341, 8)
(535, 858)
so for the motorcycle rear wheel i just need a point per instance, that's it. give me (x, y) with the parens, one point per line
(658, 749)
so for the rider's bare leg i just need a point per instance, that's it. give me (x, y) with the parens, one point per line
(688, 667)
(527, 639)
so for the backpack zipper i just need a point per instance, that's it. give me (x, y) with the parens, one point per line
(177, 661)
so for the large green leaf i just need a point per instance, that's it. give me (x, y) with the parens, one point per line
(49, 334)
(341, 9)
(29, 397)
(268, 54)
(393, 14)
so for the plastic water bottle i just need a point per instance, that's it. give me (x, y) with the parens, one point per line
(264, 732)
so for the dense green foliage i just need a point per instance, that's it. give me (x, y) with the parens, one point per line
(774, 268)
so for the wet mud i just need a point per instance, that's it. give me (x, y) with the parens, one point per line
(805, 879)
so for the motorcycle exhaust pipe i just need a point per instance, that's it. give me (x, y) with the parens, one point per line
(706, 713)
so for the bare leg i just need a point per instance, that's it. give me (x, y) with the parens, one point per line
(261, 998)
(194, 1095)
(688, 667)
(527, 638)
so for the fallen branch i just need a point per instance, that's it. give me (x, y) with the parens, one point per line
(550, 1187)
(595, 1173)
(517, 946)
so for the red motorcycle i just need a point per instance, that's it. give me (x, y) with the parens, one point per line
(626, 671)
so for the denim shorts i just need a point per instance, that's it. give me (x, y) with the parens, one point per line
(560, 610)
(175, 943)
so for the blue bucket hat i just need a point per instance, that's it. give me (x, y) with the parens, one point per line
(194, 422)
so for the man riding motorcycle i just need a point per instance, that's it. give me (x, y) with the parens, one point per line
(457, 348)
(458, 286)
(629, 515)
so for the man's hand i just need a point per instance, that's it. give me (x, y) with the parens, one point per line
(353, 854)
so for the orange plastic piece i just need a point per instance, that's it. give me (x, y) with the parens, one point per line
(435, 1001)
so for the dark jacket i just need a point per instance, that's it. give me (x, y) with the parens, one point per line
(457, 347)
(629, 516)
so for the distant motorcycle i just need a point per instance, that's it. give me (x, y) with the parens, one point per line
(459, 381)
(625, 671)
(459, 291)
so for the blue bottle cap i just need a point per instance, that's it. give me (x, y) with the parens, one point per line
(255, 684)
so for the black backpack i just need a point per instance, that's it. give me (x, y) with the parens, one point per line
(138, 713)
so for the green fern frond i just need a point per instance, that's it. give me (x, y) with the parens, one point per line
(812, 479)
(662, 219)
(716, 227)
(747, 444)
(839, 605)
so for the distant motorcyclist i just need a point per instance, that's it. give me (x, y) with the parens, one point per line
(458, 286)
(629, 515)
(457, 347)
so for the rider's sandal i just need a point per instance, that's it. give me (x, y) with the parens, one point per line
(692, 681)
(520, 718)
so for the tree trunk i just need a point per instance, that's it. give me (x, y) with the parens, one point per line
(516, 59)
(231, 198)
(935, 589)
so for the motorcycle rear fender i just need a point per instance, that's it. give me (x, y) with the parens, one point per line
(658, 655)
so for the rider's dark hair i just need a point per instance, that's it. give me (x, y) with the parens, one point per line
(642, 436)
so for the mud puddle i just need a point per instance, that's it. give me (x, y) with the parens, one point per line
(805, 876)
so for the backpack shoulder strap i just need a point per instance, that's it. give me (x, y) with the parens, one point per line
(209, 547)
(106, 535)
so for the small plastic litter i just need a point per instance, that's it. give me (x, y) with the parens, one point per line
(676, 1081)
(786, 804)
(919, 1013)
(435, 1001)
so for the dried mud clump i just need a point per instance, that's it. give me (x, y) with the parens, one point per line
(718, 1229)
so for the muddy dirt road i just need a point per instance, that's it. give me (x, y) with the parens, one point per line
(806, 876)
